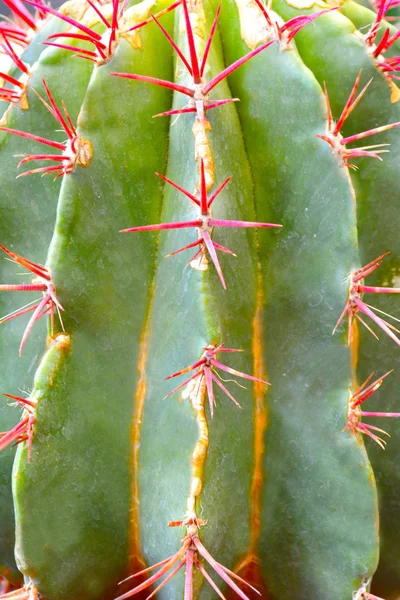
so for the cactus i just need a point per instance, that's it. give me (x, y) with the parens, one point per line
(230, 136)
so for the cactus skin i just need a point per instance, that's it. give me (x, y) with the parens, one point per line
(375, 228)
(288, 499)
(32, 209)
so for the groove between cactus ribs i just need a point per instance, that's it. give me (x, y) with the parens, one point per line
(260, 418)
(136, 560)
(249, 566)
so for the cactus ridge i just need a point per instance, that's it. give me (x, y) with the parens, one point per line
(75, 151)
(74, 375)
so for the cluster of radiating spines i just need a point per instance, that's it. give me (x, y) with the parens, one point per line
(74, 151)
(15, 35)
(46, 305)
(204, 224)
(190, 557)
(338, 143)
(355, 412)
(390, 66)
(20, 29)
(198, 90)
(23, 24)
(205, 371)
(103, 45)
(16, 90)
(356, 305)
(23, 431)
(284, 32)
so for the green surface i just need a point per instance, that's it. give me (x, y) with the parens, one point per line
(200, 312)
(319, 525)
(84, 506)
(313, 471)
(335, 55)
(28, 205)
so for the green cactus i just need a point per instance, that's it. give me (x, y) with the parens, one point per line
(236, 133)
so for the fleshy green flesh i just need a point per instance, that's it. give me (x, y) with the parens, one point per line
(30, 209)
(135, 317)
(201, 313)
(303, 270)
(102, 364)
(335, 55)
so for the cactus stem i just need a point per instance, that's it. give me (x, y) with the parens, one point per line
(43, 283)
(204, 224)
(188, 554)
(75, 150)
(205, 365)
(23, 431)
(137, 561)
(249, 565)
